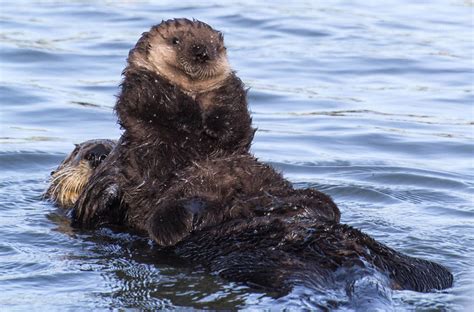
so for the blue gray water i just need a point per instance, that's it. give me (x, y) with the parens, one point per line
(369, 101)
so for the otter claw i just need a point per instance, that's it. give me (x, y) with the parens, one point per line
(210, 132)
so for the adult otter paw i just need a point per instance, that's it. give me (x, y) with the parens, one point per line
(94, 206)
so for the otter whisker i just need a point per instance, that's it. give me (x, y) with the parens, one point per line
(68, 182)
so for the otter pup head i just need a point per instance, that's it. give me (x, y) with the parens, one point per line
(188, 53)
(70, 178)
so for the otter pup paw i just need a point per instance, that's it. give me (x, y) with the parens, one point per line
(175, 219)
(217, 124)
(170, 223)
(210, 132)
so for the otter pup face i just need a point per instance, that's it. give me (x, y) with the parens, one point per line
(188, 53)
(70, 178)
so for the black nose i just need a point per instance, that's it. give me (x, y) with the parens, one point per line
(200, 53)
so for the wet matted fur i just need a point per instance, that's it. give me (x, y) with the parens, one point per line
(217, 190)
(179, 102)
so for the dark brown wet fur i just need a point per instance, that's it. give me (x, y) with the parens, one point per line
(217, 190)
(242, 219)
(182, 174)
(277, 253)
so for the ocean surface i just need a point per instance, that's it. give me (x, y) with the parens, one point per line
(368, 101)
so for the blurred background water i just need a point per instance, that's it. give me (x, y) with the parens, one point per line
(368, 101)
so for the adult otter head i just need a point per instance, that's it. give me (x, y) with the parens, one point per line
(70, 178)
(188, 53)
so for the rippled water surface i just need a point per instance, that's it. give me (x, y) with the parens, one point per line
(371, 103)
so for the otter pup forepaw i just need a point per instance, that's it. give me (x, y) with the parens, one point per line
(210, 132)
(176, 219)
(216, 124)
(170, 223)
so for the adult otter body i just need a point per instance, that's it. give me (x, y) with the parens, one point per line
(276, 254)
(181, 173)
(251, 227)
(216, 190)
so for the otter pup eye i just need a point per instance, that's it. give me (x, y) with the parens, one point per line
(175, 40)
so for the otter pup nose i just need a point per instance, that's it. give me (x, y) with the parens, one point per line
(200, 53)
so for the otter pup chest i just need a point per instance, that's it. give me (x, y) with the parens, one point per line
(205, 100)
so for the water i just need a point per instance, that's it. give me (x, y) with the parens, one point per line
(369, 102)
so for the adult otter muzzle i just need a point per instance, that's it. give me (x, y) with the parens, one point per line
(70, 178)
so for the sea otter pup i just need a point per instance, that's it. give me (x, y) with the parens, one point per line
(70, 178)
(180, 102)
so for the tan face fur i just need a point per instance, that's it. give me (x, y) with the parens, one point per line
(68, 182)
(70, 178)
(188, 53)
